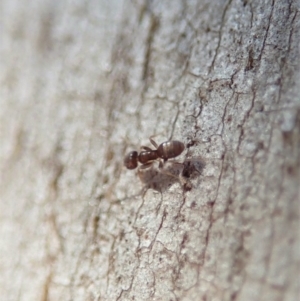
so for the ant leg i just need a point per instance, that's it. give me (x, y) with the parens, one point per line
(164, 172)
(161, 164)
(146, 148)
(144, 166)
(172, 161)
(128, 142)
(153, 142)
(184, 182)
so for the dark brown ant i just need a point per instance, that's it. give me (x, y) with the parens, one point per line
(165, 151)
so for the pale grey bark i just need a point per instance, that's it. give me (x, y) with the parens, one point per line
(82, 83)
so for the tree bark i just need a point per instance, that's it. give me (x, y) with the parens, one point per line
(83, 83)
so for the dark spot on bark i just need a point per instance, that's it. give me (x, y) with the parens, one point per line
(287, 137)
(291, 170)
(245, 2)
(260, 145)
(210, 203)
(277, 212)
(278, 82)
(244, 207)
(250, 63)
(233, 296)
(95, 224)
(109, 155)
(105, 179)
(187, 187)
(192, 167)
(259, 107)
(242, 132)
(184, 240)
(191, 143)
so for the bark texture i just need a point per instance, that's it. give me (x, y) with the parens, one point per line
(84, 82)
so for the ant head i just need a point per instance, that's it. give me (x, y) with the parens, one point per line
(131, 160)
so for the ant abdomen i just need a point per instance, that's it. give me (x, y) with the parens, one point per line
(170, 149)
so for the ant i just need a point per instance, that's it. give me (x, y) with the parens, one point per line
(165, 151)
